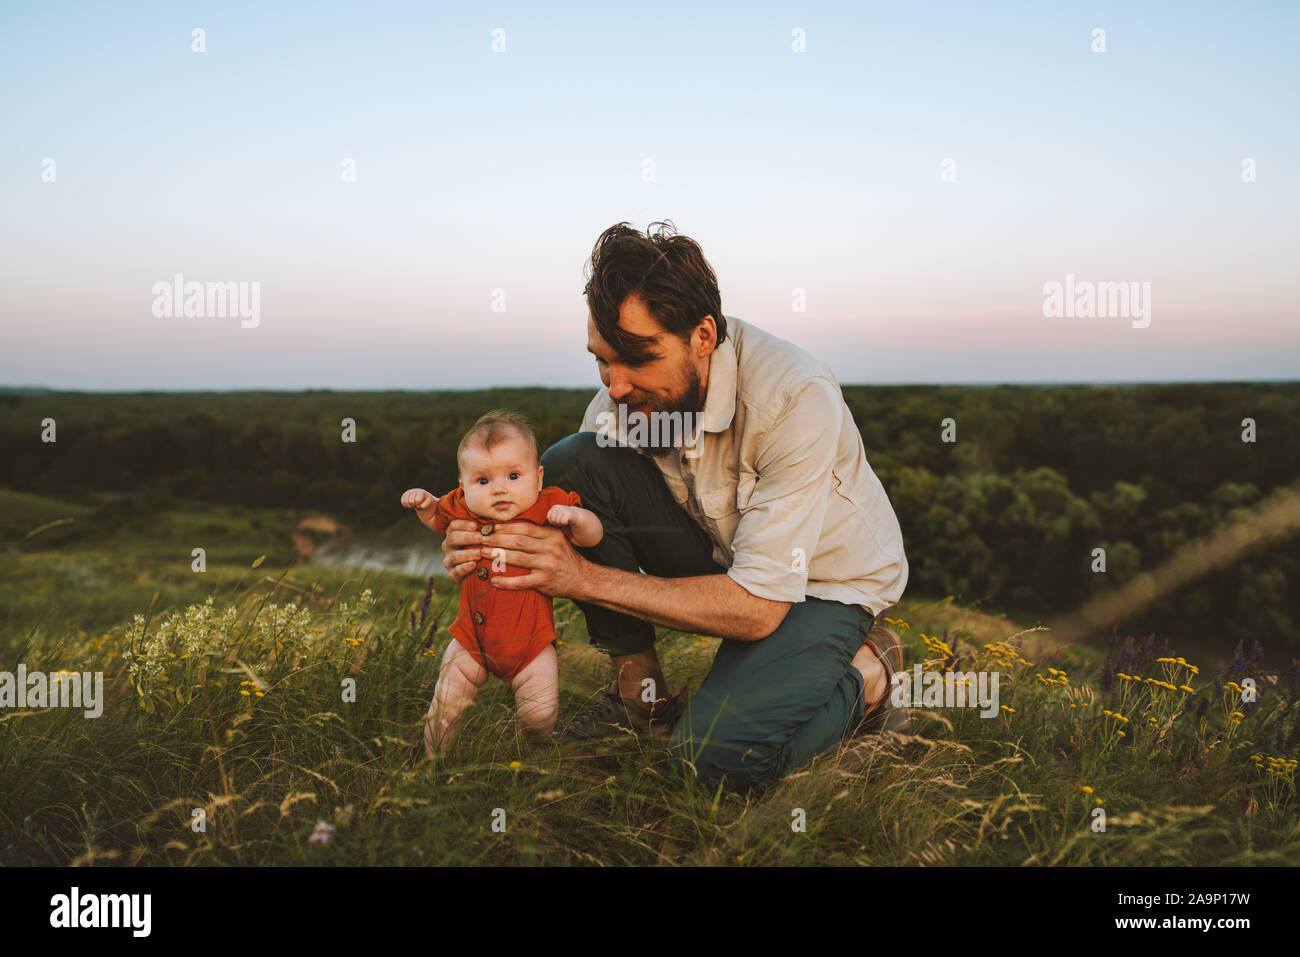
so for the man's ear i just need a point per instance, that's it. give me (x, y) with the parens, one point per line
(708, 332)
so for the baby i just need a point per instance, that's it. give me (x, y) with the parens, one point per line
(508, 633)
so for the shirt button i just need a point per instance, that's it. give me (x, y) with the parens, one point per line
(478, 617)
(482, 573)
(485, 529)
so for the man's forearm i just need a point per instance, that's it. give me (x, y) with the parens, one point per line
(708, 604)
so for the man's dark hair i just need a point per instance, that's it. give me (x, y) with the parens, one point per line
(667, 271)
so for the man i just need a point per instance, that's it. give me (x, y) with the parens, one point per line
(760, 523)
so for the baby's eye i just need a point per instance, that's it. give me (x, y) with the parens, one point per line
(482, 481)
(513, 476)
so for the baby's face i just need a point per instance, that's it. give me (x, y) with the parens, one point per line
(502, 483)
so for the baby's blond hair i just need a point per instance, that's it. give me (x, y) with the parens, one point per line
(495, 427)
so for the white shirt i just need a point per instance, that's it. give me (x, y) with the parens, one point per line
(779, 479)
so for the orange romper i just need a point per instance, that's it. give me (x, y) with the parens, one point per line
(502, 630)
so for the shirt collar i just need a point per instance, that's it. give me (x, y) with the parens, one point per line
(720, 401)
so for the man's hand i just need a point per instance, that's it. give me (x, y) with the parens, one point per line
(460, 549)
(555, 568)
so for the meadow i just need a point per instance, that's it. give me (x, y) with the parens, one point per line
(229, 736)
(268, 710)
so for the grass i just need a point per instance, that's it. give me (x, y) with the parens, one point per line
(1176, 787)
(124, 788)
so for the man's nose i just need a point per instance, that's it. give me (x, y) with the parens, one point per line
(618, 386)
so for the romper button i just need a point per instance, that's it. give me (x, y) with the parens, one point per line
(482, 573)
(485, 529)
(478, 617)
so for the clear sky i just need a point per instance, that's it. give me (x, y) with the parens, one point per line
(477, 171)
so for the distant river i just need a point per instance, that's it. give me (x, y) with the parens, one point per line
(422, 558)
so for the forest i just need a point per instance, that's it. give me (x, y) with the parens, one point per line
(1005, 518)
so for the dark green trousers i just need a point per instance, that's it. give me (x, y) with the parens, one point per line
(766, 706)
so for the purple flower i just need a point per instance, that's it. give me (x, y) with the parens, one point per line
(322, 834)
(428, 594)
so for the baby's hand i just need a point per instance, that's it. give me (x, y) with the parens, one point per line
(423, 502)
(562, 515)
(584, 525)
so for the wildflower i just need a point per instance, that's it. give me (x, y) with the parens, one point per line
(1008, 710)
(1186, 688)
(1086, 789)
(322, 833)
(514, 764)
(1121, 734)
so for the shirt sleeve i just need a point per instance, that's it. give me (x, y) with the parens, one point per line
(443, 514)
(781, 524)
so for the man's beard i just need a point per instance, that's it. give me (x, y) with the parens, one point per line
(690, 404)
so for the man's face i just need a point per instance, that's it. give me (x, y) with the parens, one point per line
(673, 379)
(502, 483)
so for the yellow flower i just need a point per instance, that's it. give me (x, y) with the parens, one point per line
(1085, 789)
(1186, 688)
(514, 764)
(1008, 710)
(1121, 734)
(245, 693)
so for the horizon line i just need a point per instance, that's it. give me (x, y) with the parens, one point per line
(1028, 383)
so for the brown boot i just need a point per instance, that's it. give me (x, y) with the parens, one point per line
(885, 715)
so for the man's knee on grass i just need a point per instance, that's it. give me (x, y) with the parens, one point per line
(712, 761)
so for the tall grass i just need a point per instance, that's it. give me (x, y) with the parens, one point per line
(239, 710)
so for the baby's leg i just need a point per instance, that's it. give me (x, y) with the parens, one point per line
(537, 693)
(459, 679)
